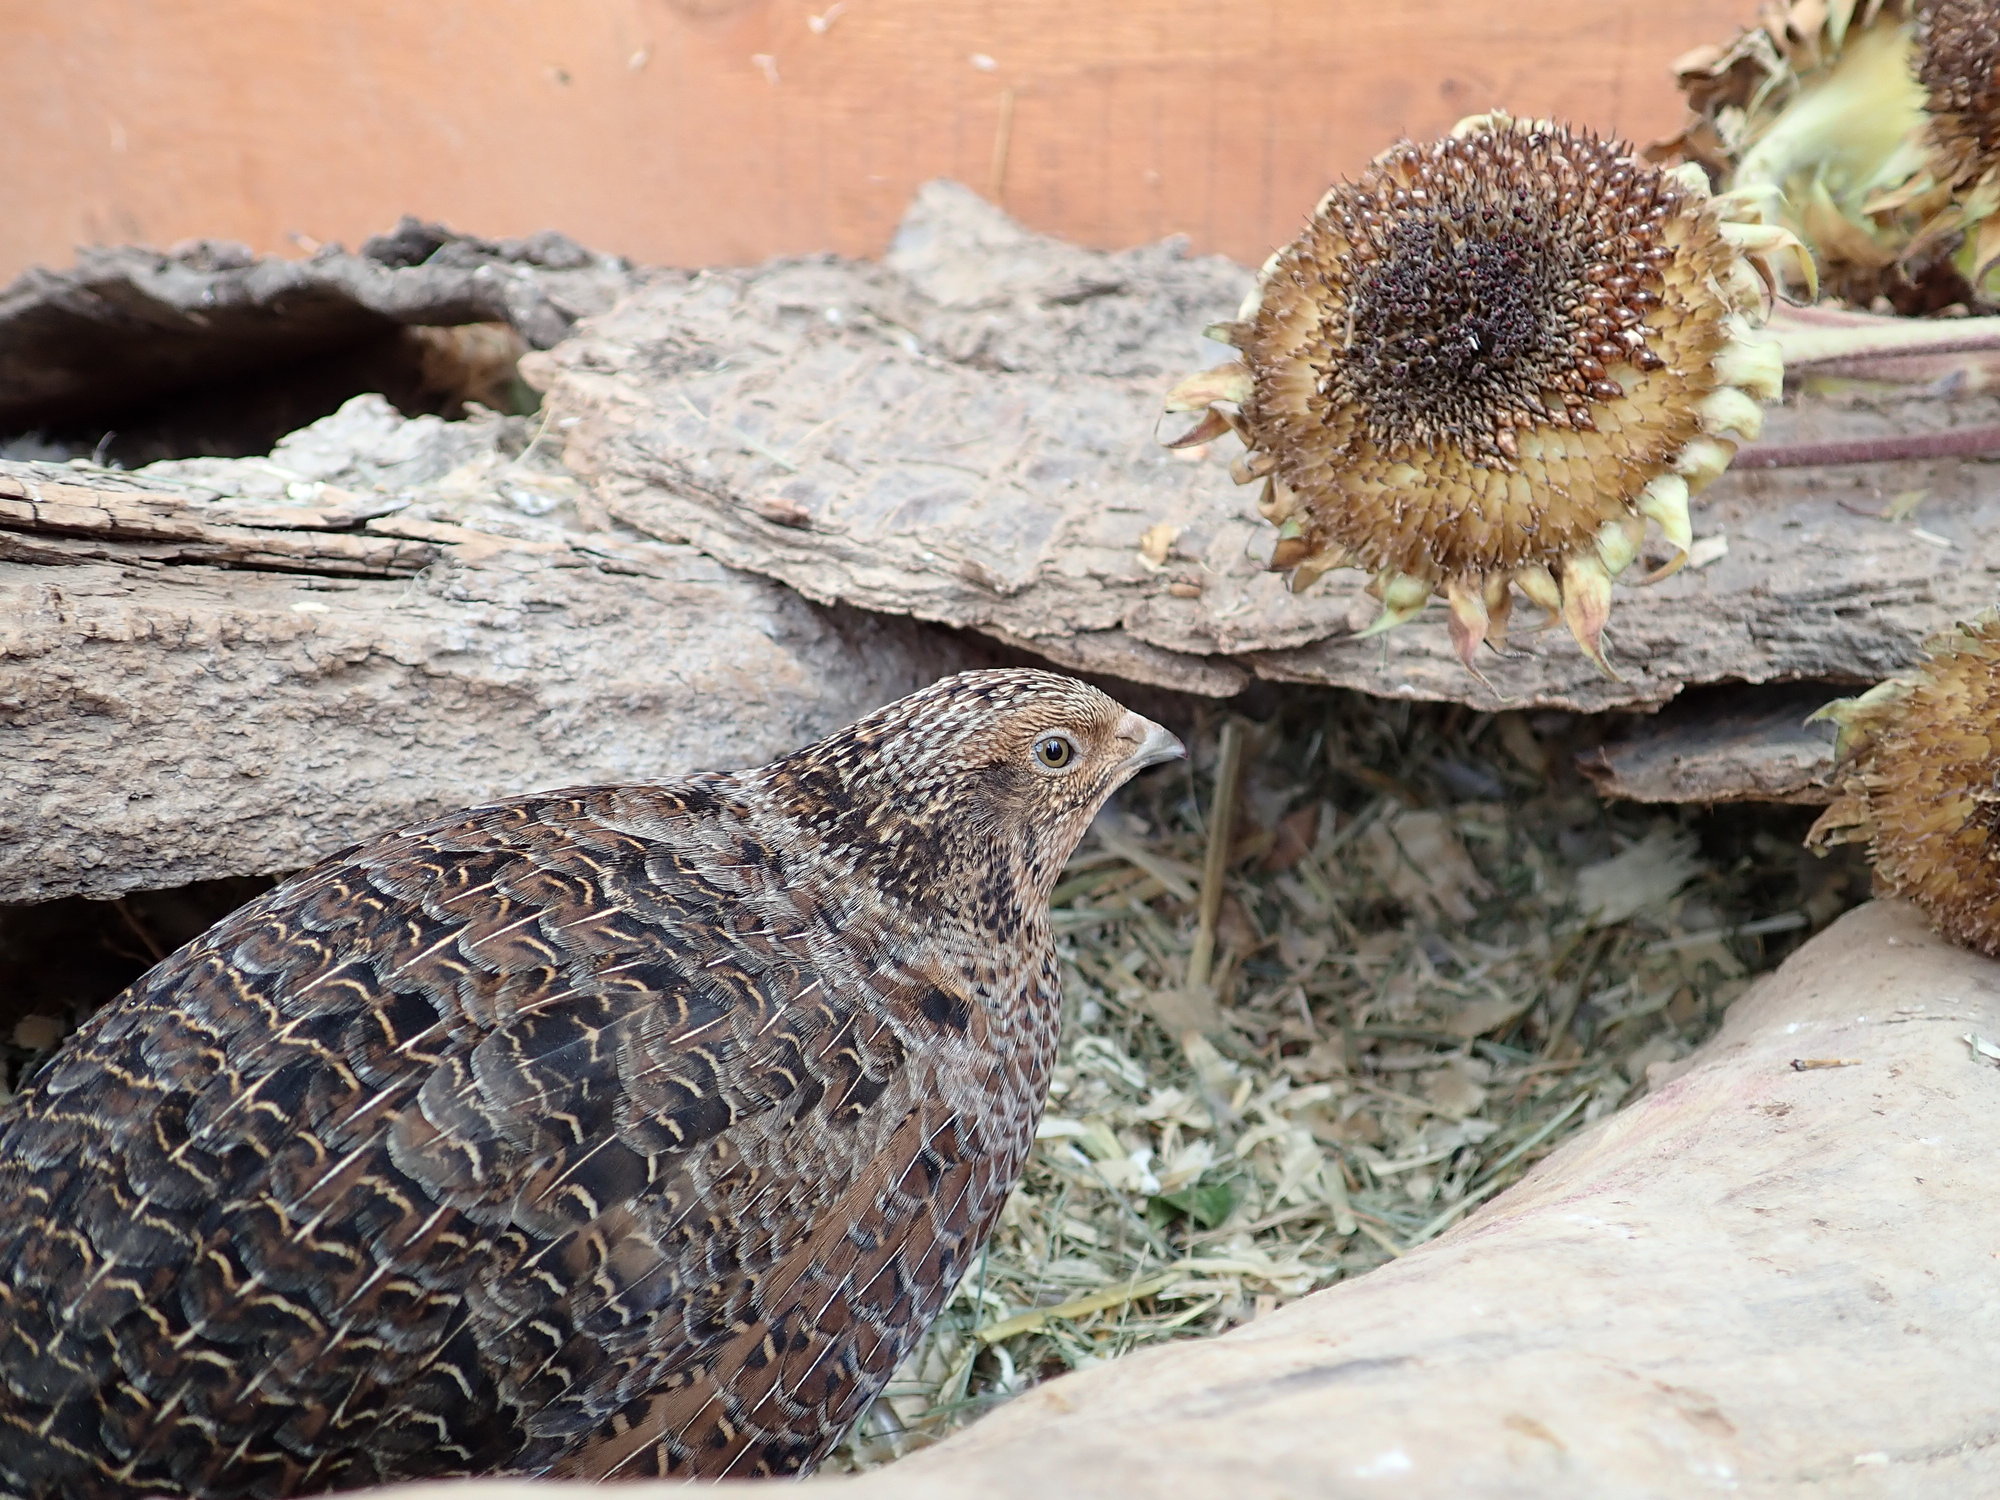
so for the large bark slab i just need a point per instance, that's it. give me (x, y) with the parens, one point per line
(1771, 1276)
(232, 667)
(964, 433)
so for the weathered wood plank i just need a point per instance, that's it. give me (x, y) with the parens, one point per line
(718, 132)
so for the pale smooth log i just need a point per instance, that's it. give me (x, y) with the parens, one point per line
(1773, 1276)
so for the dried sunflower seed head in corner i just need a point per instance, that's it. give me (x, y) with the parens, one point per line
(1918, 780)
(1958, 190)
(1871, 128)
(1486, 363)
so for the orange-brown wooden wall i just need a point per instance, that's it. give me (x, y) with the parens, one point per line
(706, 131)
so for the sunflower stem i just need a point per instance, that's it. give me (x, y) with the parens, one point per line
(1215, 868)
(1824, 340)
(1959, 442)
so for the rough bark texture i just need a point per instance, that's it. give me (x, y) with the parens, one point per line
(1728, 744)
(225, 667)
(964, 433)
(127, 325)
(1772, 1276)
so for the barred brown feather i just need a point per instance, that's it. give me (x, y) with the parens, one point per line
(609, 1132)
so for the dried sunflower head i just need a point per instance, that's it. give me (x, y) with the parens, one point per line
(1919, 780)
(1487, 362)
(1871, 128)
(1958, 63)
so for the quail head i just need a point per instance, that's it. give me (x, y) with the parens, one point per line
(618, 1131)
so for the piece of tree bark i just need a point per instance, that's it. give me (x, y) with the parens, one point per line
(49, 520)
(1727, 744)
(1772, 1276)
(183, 696)
(965, 433)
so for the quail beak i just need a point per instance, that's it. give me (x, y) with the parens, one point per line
(1155, 745)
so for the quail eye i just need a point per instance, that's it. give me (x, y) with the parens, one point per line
(1056, 752)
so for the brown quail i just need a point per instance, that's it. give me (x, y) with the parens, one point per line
(619, 1131)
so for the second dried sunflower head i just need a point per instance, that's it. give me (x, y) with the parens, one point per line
(1918, 780)
(1872, 129)
(1487, 363)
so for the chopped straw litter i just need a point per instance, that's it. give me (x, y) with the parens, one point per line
(1329, 987)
